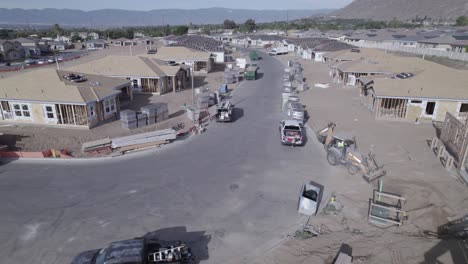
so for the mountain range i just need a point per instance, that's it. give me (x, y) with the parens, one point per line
(117, 17)
(403, 9)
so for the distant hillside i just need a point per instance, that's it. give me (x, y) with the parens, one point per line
(403, 9)
(116, 17)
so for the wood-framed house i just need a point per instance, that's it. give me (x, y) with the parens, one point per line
(50, 97)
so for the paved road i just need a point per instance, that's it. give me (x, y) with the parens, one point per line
(231, 191)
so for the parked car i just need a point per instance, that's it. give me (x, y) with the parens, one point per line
(51, 60)
(137, 251)
(30, 62)
(60, 58)
(309, 199)
(151, 51)
(291, 133)
(41, 61)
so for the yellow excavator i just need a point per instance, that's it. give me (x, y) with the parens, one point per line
(342, 149)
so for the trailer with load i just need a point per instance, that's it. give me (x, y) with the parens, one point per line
(250, 73)
(278, 51)
(224, 111)
(253, 56)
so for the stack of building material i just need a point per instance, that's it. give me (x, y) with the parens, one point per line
(151, 112)
(203, 100)
(142, 119)
(285, 99)
(128, 119)
(144, 140)
(231, 75)
(294, 109)
(302, 86)
(162, 112)
(102, 146)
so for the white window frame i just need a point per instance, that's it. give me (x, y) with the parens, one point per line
(54, 112)
(21, 105)
(111, 103)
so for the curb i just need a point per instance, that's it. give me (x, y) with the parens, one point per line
(130, 155)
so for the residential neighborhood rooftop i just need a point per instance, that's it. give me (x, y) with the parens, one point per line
(49, 85)
(433, 82)
(126, 66)
(169, 53)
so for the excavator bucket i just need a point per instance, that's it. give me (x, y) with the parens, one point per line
(374, 175)
(374, 171)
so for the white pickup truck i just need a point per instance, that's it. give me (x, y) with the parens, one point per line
(291, 133)
(278, 51)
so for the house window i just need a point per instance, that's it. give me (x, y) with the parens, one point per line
(49, 112)
(463, 108)
(22, 110)
(416, 101)
(109, 106)
(430, 107)
(92, 110)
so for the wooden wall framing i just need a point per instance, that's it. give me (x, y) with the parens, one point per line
(150, 85)
(392, 108)
(76, 115)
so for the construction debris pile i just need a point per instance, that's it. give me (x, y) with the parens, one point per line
(149, 115)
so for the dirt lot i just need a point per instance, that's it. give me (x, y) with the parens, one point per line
(433, 195)
(40, 138)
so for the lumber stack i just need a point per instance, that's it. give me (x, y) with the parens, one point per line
(144, 140)
(101, 146)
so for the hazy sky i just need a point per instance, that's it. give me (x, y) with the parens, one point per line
(163, 4)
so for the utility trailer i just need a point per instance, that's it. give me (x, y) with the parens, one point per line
(251, 72)
(224, 111)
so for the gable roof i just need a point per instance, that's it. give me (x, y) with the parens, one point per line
(127, 66)
(176, 53)
(48, 85)
(435, 82)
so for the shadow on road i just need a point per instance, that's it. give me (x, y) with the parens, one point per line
(198, 240)
(237, 113)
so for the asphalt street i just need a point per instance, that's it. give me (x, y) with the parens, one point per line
(231, 191)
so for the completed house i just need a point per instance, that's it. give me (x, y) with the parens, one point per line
(123, 42)
(147, 75)
(95, 44)
(61, 98)
(57, 45)
(31, 46)
(10, 50)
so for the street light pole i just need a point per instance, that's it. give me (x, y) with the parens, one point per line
(193, 90)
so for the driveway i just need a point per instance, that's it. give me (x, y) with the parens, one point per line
(232, 191)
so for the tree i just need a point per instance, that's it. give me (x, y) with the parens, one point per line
(75, 38)
(250, 25)
(229, 24)
(180, 30)
(205, 31)
(462, 21)
(57, 30)
(166, 30)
